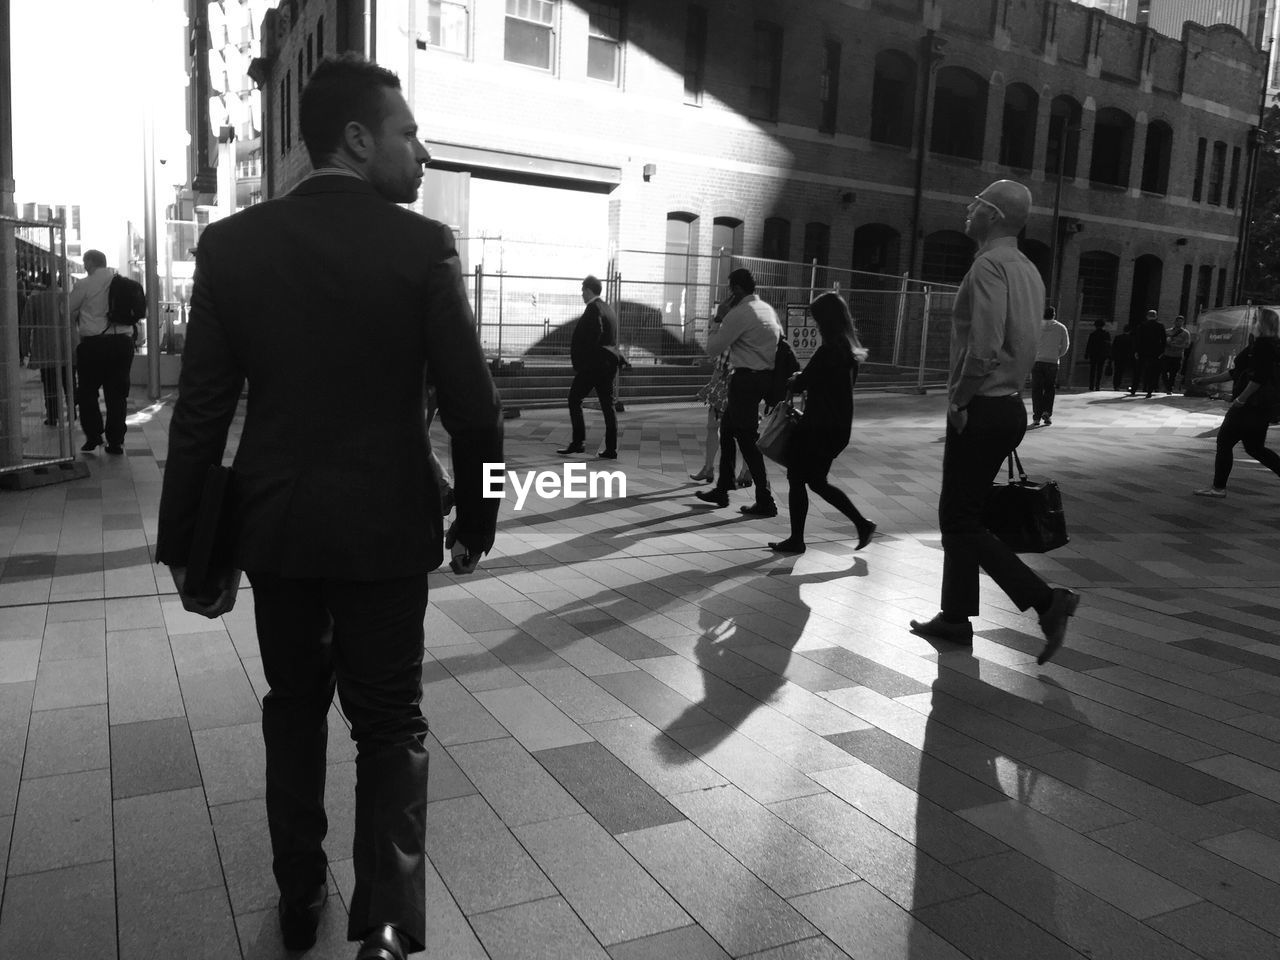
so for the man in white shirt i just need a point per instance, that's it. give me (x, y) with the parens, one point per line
(104, 357)
(750, 332)
(1050, 348)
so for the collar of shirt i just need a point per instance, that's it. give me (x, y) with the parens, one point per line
(335, 172)
(999, 242)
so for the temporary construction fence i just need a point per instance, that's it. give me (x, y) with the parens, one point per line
(664, 314)
(37, 403)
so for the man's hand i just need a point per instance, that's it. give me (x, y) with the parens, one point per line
(228, 586)
(461, 560)
(957, 419)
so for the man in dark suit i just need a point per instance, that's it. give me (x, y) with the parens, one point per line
(594, 354)
(332, 302)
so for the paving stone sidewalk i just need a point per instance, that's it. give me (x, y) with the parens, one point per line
(652, 738)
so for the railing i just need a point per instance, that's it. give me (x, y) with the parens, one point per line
(37, 398)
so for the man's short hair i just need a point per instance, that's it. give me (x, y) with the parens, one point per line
(342, 89)
(592, 284)
(1050, 313)
(1152, 313)
(742, 278)
(95, 258)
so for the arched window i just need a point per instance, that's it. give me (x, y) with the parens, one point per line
(959, 113)
(726, 243)
(1064, 136)
(777, 239)
(1155, 160)
(875, 249)
(1018, 134)
(1112, 147)
(817, 243)
(948, 255)
(893, 98)
(1098, 274)
(1148, 275)
(679, 271)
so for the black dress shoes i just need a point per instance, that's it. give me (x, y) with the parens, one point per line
(760, 510)
(572, 448)
(607, 455)
(298, 923)
(715, 496)
(939, 629)
(1053, 621)
(385, 943)
(114, 449)
(90, 445)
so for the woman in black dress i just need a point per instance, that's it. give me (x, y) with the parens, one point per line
(827, 381)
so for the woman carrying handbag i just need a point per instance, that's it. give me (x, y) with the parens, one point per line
(823, 432)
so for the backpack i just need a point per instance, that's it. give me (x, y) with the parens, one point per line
(126, 301)
(784, 365)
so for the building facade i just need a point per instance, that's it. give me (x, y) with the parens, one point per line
(850, 132)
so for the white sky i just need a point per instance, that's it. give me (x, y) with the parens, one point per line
(81, 72)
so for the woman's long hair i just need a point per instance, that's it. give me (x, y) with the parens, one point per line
(835, 323)
(1268, 323)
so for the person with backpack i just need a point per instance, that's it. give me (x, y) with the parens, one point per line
(749, 331)
(105, 307)
(1255, 403)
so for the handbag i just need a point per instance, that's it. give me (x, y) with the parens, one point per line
(1027, 516)
(777, 431)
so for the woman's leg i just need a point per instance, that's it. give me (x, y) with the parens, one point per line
(1255, 443)
(798, 503)
(1229, 434)
(712, 444)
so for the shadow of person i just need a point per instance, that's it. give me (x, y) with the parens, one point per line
(743, 660)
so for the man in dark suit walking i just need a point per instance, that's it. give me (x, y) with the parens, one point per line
(594, 354)
(332, 302)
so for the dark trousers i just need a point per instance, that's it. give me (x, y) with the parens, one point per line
(365, 639)
(1148, 373)
(1044, 387)
(50, 378)
(970, 462)
(1169, 367)
(1119, 367)
(1247, 425)
(600, 379)
(104, 363)
(740, 425)
(1096, 369)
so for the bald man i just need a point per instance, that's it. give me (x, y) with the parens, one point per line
(995, 325)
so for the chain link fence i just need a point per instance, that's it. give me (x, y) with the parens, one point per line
(37, 344)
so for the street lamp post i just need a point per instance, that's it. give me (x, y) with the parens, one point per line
(1055, 268)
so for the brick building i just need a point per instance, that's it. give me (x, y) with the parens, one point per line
(793, 131)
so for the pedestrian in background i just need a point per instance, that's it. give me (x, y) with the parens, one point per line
(1097, 350)
(1148, 349)
(337, 517)
(104, 357)
(43, 345)
(1175, 350)
(1254, 390)
(827, 382)
(1051, 346)
(1122, 358)
(594, 354)
(993, 345)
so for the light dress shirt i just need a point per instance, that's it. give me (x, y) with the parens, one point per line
(1054, 342)
(89, 305)
(995, 322)
(750, 333)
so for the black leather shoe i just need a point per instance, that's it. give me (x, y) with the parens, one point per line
(607, 455)
(787, 546)
(1054, 622)
(385, 943)
(760, 510)
(298, 923)
(939, 629)
(114, 449)
(90, 445)
(572, 448)
(715, 495)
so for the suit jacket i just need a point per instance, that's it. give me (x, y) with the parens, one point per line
(596, 329)
(331, 302)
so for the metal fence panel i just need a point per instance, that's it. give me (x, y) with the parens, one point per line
(37, 379)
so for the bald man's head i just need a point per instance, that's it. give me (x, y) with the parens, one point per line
(1014, 203)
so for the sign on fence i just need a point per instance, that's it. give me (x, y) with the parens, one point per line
(802, 332)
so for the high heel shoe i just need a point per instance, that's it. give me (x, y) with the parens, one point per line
(707, 475)
(865, 533)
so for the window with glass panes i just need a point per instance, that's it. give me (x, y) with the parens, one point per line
(829, 86)
(604, 40)
(695, 54)
(767, 71)
(530, 33)
(447, 25)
